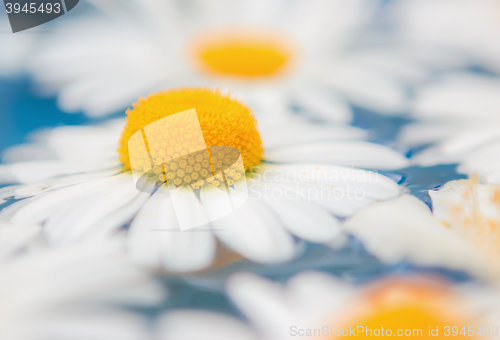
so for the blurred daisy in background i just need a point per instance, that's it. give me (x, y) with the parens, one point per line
(80, 290)
(461, 233)
(457, 118)
(315, 305)
(80, 172)
(274, 55)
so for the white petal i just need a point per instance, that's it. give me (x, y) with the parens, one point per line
(268, 103)
(302, 218)
(340, 190)
(315, 294)
(368, 88)
(432, 58)
(14, 237)
(404, 229)
(349, 153)
(28, 152)
(493, 177)
(32, 172)
(39, 208)
(189, 210)
(390, 61)
(80, 324)
(461, 97)
(79, 273)
(54, 183)
(299, 132)
(155, 238)
(209, 326)
(425, 133)
(326, 106)
(216, 202)
(76, 143)
(256, 233)
(336, 21)
(16, 49)
(111, 206)
(482, 161)
(458, 146)
(261, 301)
(468, 140)
(306, 298)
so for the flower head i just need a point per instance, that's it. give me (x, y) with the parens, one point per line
(178, 149)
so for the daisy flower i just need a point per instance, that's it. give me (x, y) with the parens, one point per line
(314, 305)
(81, 185)
(271, 54)
(458, 117)
(467, 27)
(70, 291)
(461, 233)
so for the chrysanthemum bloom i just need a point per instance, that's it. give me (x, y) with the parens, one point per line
(316, 306)
(79, 193)
(458, 117)
(272, 55)
(72, 292)
(461, 233)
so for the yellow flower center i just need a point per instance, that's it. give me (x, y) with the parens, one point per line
(409, 310)
(177, 150)
(242, 55)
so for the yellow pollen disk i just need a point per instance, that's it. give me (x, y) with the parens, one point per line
(243, 55)
(177, 153)
(411, 308)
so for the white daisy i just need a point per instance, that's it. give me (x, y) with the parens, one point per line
(314, 305)
(468, 27)
(271, 54)
(458, 116)
(73, 292)
(79, 183)
(462, 233)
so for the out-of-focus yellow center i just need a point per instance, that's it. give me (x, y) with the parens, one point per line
(243, 55)
(176, 153)
(410, 311)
